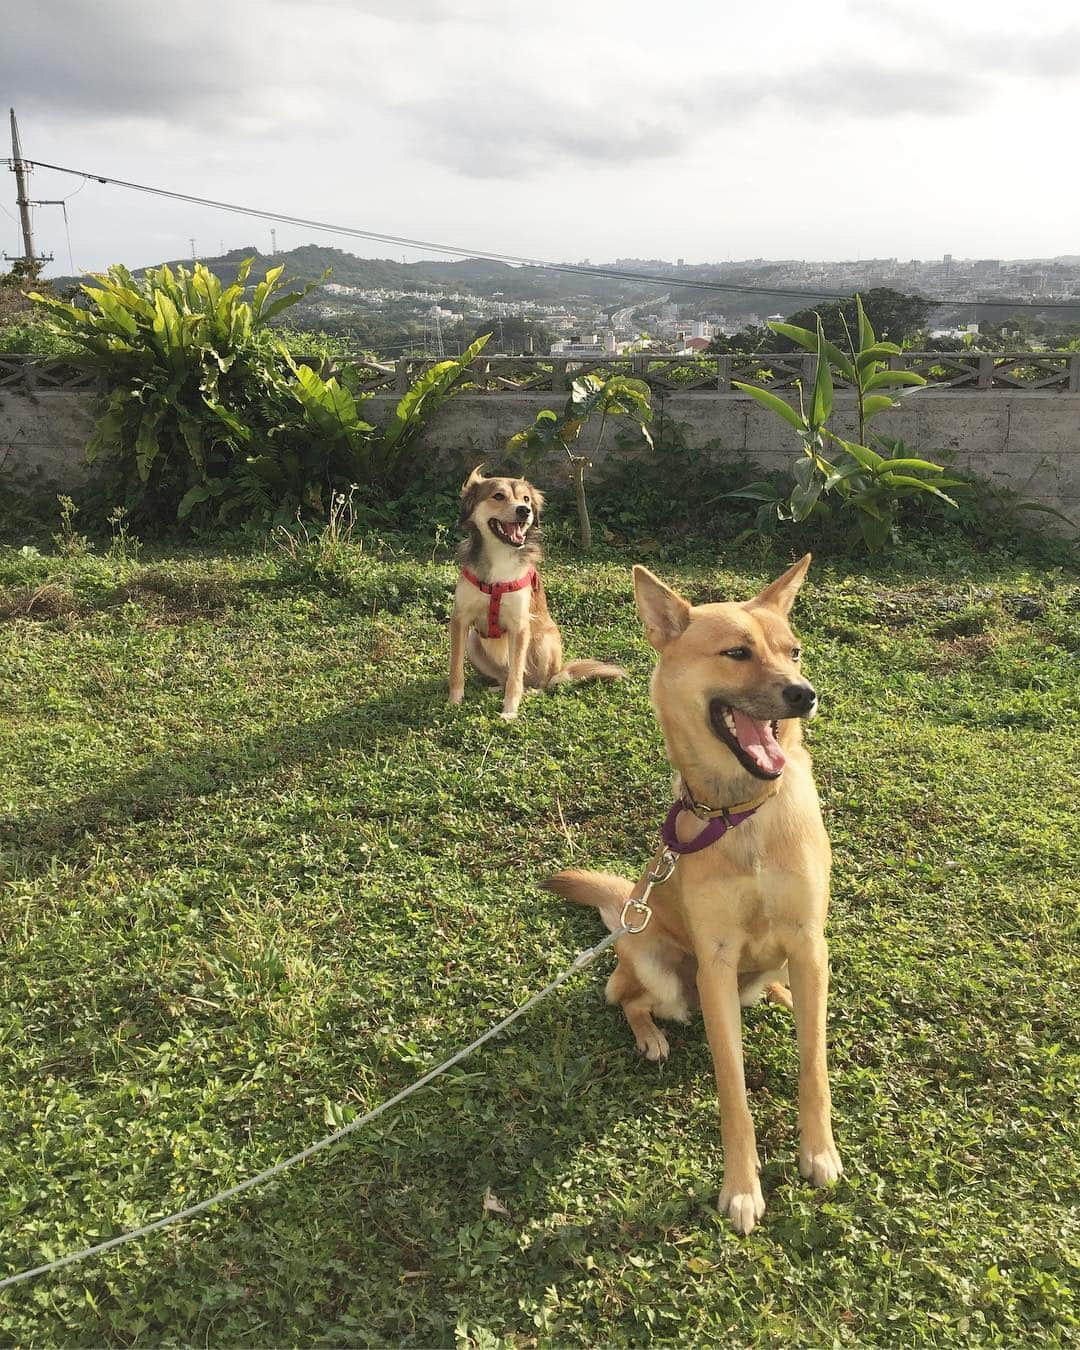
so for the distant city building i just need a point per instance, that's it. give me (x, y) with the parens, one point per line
(579, 345)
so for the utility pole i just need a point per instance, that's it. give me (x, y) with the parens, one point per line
(22, 199)
(192, 243)
(273, 242)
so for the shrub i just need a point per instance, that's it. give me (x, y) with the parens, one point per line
(869, 485)
(207, 418)
(194, 384)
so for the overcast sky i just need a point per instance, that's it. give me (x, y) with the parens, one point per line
(560, 130)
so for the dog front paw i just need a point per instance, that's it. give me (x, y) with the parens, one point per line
(653, 1044)
(743, 1203)
(820, 1166)
(509, 713)
(456, 695)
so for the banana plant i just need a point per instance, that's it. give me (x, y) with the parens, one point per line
(589, 394)
(871, 483)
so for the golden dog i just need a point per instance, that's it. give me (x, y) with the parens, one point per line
(500, 613)
(743, 910)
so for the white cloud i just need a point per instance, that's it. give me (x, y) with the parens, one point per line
(562, 131)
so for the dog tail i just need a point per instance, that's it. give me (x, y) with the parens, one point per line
(587, 670)
(605, 892)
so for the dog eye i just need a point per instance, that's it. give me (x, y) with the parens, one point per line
(499, 496)
(737, 653)
(796, 652)
(524, 499)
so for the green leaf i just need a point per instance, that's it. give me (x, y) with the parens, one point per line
(804, 471)
(809, 340)
(426, 396)
(841, 476)
(755, 492)
(775, 404)
(1048, 510)
(191, 498)
(191, 431)
(869, 459)
(804, 499)
(242, 432)
(916, 485)
(329, 406)
(880, 351)
(877, 403)
(108, 434)
(884, 378)
(866, 332)
(821, 401)
(265, 288)
(905, 464)
(875, 530)
(147, 444)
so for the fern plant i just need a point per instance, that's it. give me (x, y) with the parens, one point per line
(193, 381)
(206, 419)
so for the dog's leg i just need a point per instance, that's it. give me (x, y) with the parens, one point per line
(648, 1037)
(809, 967)
(718, 986)
(515, 675)
(625, 988)
(457, 658)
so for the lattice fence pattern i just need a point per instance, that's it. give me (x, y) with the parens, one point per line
(665, 375)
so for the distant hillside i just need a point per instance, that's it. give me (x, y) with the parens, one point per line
(475, 275)
(398, 325)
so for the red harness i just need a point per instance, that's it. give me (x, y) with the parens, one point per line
(496, 590)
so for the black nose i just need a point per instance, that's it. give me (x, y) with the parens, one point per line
(523, 512)
(800, 697)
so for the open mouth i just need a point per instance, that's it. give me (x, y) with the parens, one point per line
(753, 743)
(510, 532)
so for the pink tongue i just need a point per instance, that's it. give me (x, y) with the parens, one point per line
(757, 739)
(516, 533)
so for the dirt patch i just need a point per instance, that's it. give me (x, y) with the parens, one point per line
(43, 602)
(173, 599)
(966, 651)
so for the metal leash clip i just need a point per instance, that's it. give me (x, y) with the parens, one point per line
(657, 874)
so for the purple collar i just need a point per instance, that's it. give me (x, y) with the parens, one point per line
(714, 830)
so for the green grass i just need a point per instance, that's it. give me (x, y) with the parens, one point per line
(257, 876)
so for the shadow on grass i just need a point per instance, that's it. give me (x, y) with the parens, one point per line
(403, 1200)
(38, 838)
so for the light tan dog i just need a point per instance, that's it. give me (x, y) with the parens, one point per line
(744, 908)
(500, 613)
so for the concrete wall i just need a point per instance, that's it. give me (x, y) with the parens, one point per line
(1029, 442)
(43, 438)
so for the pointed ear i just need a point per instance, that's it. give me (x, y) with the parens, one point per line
(470, 492)
(780, 594)
(537, 501)
(477, 476)
(663, 611)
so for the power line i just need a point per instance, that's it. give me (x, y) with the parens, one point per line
(513, 259)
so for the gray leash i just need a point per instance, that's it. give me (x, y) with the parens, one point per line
(583, 959)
